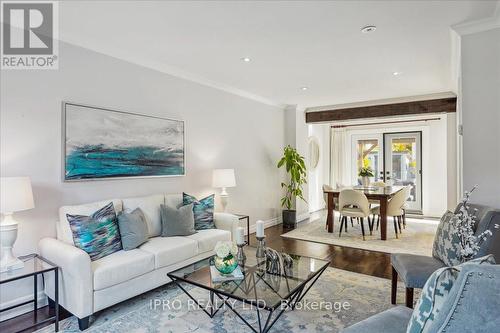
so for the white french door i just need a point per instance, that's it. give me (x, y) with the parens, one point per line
(395, 158)
(403, 164)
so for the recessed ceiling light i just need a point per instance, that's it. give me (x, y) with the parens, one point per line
(246, 59)
(304, 88)
(396, 73)
(369, 28)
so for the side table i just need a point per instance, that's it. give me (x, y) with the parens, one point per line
(245, 217)
(34, 265)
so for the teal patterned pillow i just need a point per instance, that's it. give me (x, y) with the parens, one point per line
(446, 242)
(97, 234)
(203, 211)
(434, 295)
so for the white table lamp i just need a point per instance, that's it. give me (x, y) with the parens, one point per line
(15, 195)
(223, 178)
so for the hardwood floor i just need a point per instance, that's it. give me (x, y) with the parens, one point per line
(350, 259)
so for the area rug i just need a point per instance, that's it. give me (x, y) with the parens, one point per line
(417, 237)
(343, 298)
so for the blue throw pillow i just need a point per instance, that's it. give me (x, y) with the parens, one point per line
(434, 295)
(97, 234)
(203, 211)
(446, 245)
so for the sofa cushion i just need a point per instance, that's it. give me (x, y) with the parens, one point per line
(414, 270)
(203, 211)
(208, 238)
(121, 266)
(64, 232)
(170, 250)
(173, 199)
(150, 206)
(98, 233)
(177, 221)
(133, 229)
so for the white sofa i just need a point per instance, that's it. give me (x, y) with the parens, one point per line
(86, 287)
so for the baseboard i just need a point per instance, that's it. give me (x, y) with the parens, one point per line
(303, 216)
(267, 223)
(42, 301)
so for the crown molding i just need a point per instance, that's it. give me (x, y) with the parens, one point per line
(476, 26)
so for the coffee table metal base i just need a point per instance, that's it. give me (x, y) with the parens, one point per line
(273, 314)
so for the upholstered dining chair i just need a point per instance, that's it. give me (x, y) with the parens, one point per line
(353, 204)
(394, 209)
(378, 183)
(414, 270)
(407, 190)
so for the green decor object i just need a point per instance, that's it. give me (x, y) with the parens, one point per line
(225, 257)
(366, 172)
(295, 167)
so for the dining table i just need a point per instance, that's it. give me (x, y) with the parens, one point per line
(382, 194)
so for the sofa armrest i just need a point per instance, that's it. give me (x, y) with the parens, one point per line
(76, 287)
(226, 221)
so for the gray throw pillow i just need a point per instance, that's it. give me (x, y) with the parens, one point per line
(177, 221)
(133, 229)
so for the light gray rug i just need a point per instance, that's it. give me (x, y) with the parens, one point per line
(364, 294)
(417, 238)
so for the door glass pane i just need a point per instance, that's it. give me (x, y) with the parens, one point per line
(368, 153)
(404, 163)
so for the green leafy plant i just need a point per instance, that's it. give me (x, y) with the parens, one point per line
(366, 172)
(296, 169)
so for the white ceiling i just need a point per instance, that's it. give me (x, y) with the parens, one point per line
(317, 44)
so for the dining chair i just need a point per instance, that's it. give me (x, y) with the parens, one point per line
(407, 190)
(353, 204)
(394, 209)
(378, 183)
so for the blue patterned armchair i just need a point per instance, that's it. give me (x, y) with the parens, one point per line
(471, 304)
(414, 270)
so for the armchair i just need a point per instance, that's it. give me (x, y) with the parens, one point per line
(414, 270)
(471, 306)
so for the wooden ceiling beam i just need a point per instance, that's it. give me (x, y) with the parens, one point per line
(442, 105)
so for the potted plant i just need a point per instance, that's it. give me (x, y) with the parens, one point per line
(365, 173)
(296, 169)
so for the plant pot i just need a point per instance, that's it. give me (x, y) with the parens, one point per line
(289, 218)
(365, 181)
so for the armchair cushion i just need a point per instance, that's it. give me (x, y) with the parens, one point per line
(414, 270)
(432, 305)
(393, 320)
(446, 242)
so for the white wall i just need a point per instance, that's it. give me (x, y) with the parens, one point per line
(320, 175)
(480, 54)
(222, 131)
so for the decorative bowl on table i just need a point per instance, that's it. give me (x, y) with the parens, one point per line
(225, 257)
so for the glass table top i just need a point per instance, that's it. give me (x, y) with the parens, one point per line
(32, 264)
(257, 287)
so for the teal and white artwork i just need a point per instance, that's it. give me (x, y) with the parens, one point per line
(100, 143)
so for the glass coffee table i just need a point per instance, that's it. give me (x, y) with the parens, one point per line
(268, 294)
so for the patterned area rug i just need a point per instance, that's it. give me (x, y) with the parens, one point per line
(417, 238)
(343, 298)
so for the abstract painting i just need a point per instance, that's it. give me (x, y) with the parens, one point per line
(100, 143)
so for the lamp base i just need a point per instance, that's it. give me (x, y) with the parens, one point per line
(8, 235)
(11, 265)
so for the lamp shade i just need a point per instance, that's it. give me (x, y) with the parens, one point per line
(15, 194)
(223, 178)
